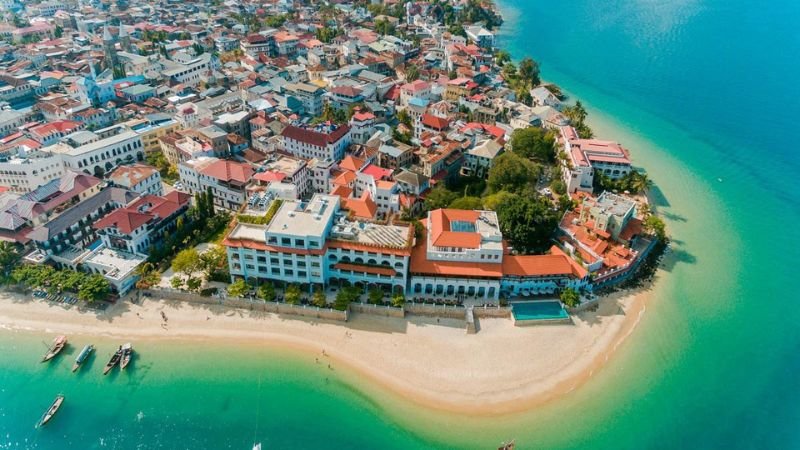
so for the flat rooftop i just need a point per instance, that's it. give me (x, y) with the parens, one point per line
(304, 218)
(117, 264)
(371, 234)
(248, 231)
(614, 204)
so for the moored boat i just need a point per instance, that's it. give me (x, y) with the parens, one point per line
(55, 348)
(507, 446)
(51, 411)
(127, 354)
(115, 358)
(82, 356)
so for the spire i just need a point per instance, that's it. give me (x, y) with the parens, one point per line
(122, 32)
(107, 34)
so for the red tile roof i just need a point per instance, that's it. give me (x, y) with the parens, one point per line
(229, 171)
(314, 137)
(420, 264)
(437, 123)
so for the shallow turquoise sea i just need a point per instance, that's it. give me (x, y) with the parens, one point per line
(704, 94)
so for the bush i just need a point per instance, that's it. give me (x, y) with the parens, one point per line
(208, 292)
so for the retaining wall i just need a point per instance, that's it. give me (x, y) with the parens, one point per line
(253, 305)
(377, 310)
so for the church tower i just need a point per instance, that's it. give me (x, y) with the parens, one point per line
(110, 53)
(124, 39)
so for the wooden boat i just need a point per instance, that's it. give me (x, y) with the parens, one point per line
(55, 348)
(82, 356)
(115, 358)
(507, 446)
(51, 411)
(127, 354)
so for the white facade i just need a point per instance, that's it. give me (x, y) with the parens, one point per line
(100, 155)
(27, 172)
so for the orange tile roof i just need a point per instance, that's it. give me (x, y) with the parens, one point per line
(364, 207)
(441, 234)
(422, 265)
(229, 170)
(351, 163)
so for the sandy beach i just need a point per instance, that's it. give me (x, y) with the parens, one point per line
(501, 369)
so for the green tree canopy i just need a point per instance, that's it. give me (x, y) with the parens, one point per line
(238, 288)
(187, 261)
(527, 221)
(292, 294)
(512, 173)
(570, 297)
(266, 292)
(467, 203)
(534, 142)
(439, 197)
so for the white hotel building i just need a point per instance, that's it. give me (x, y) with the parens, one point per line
(323, 142)
(313, 243)
(461, 254)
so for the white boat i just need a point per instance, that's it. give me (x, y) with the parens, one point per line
(257, 446)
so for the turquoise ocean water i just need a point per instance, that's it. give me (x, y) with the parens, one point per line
(704, 93)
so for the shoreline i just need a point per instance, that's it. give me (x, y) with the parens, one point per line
(425, 362)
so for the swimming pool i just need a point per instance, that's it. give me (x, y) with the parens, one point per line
(538, 310)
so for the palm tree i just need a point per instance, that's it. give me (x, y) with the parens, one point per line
(148, 276)
(8, 256)
(640, 182)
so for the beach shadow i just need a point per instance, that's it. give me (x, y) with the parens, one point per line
(674, 256)
(656, 197)
(376, 324)
(425, 321)
(672, 216)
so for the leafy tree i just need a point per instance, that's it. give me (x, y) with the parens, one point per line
(558, 186)
(93, 288)
(398, 300)
(439, 197)
(266, 292)
(529, 72)
(656, 226)
(238, 288)
(527, 221)
(58, 32)
(345, 296)
(570, 297)
(467, 203)
(176, 282)
(375, 296)
(212, 259)
(491, 201)
(512, 173)
(405, 118)
(187, 262)
(193, 284)
(535, 143)
(319, 299)
(502, 57)
(292, 294)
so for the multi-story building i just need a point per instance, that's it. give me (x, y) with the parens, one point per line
(324, 141)
(478, 159)
(69, 237)
(313, 243)
(139, 178)
(101, 151)
(24, 171)
(227, 180)
(311, 96)
(585, 157)
(290, 170)
(142, 224)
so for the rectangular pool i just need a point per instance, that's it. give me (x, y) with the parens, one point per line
(540, 310)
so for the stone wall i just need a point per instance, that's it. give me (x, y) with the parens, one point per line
(253, 305)
(377, 310)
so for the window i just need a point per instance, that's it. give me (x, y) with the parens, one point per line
(288, 272)
(286, 241)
